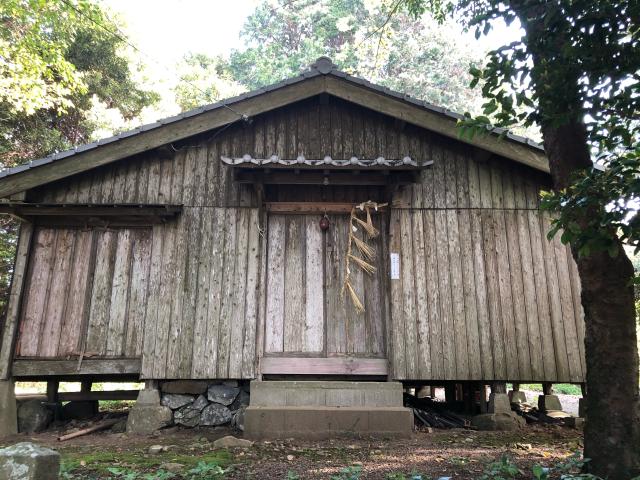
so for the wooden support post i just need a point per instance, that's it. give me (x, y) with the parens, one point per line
(10, 326)
(484, 405)
(516, 387)
(85, 386)
(52, 391)
(450, 392)
(469, 396)
(547, 388)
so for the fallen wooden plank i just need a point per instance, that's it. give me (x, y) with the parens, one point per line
(95, 428)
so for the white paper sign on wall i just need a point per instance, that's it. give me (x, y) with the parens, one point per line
(395, 266)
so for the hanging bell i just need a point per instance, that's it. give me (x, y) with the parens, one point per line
(324, 223)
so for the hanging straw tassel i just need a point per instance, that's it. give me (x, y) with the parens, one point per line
(372, 231)
(367, 267)
(354, 298)
(367, 251)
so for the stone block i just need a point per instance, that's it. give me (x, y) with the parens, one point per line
(148, 396)
(499, 403)
(498, 421)
(326, 393)
(147, 415)
(215, 414)
(8, 409)
(146, 419)
(517, 397)
(176, 400)
(574, 422)
(33, 416)
(327, 422)
(222, 394)
(187, 416)
(27, 461)
(582, 407)
(189, 387)
(547, 403)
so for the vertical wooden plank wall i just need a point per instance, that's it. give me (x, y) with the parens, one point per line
(482, 292)
(202, 311)
(79, 281)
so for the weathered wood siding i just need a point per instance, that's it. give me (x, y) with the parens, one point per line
(482, 293)
(307, 128)
(306, 311)
(203, 303)
(85, 294)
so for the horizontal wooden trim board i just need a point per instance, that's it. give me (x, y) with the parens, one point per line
(85, 396)
(324, 366)
(309, 207)
(32, 368)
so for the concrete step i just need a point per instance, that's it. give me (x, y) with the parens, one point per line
(321, 422)
(325, 394)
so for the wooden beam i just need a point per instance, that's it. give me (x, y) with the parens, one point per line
(309, 207)
(109, 395)
(89, 210)
(15, 300)
(320, 178)
(45, 368)
(163, 135)
(434, 121)
(323, 366)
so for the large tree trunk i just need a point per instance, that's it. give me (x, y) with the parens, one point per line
(612, 431)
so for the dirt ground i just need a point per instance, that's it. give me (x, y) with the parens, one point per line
(190, 454)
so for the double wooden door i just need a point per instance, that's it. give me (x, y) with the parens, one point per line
(306, 312)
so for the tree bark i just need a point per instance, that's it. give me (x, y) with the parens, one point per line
(612, 429)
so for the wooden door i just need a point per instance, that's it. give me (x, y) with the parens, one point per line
(306, 312)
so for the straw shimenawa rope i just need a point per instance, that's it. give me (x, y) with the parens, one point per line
(367, 252)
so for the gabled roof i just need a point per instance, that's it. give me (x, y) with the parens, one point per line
(322, 77)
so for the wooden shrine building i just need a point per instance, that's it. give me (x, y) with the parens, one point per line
(196, 248)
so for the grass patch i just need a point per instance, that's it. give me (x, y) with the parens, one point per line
(87, 464)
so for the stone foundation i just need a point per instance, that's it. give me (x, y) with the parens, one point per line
(549, 403)
(326, 409)
(500, 416)
(190, 404)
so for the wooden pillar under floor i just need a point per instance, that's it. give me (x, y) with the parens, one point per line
(482, 397)
(547, 388)
(85, 386)
(52, 391)
(450, 392)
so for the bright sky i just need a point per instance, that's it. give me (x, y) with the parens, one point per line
(166, 30)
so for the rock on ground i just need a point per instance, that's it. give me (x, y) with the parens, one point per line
(499, 421)
(176, 400)
(33, 416)
(27, 461)
(223, 394)
(232, 442)
(145, 419)
(215, 414)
